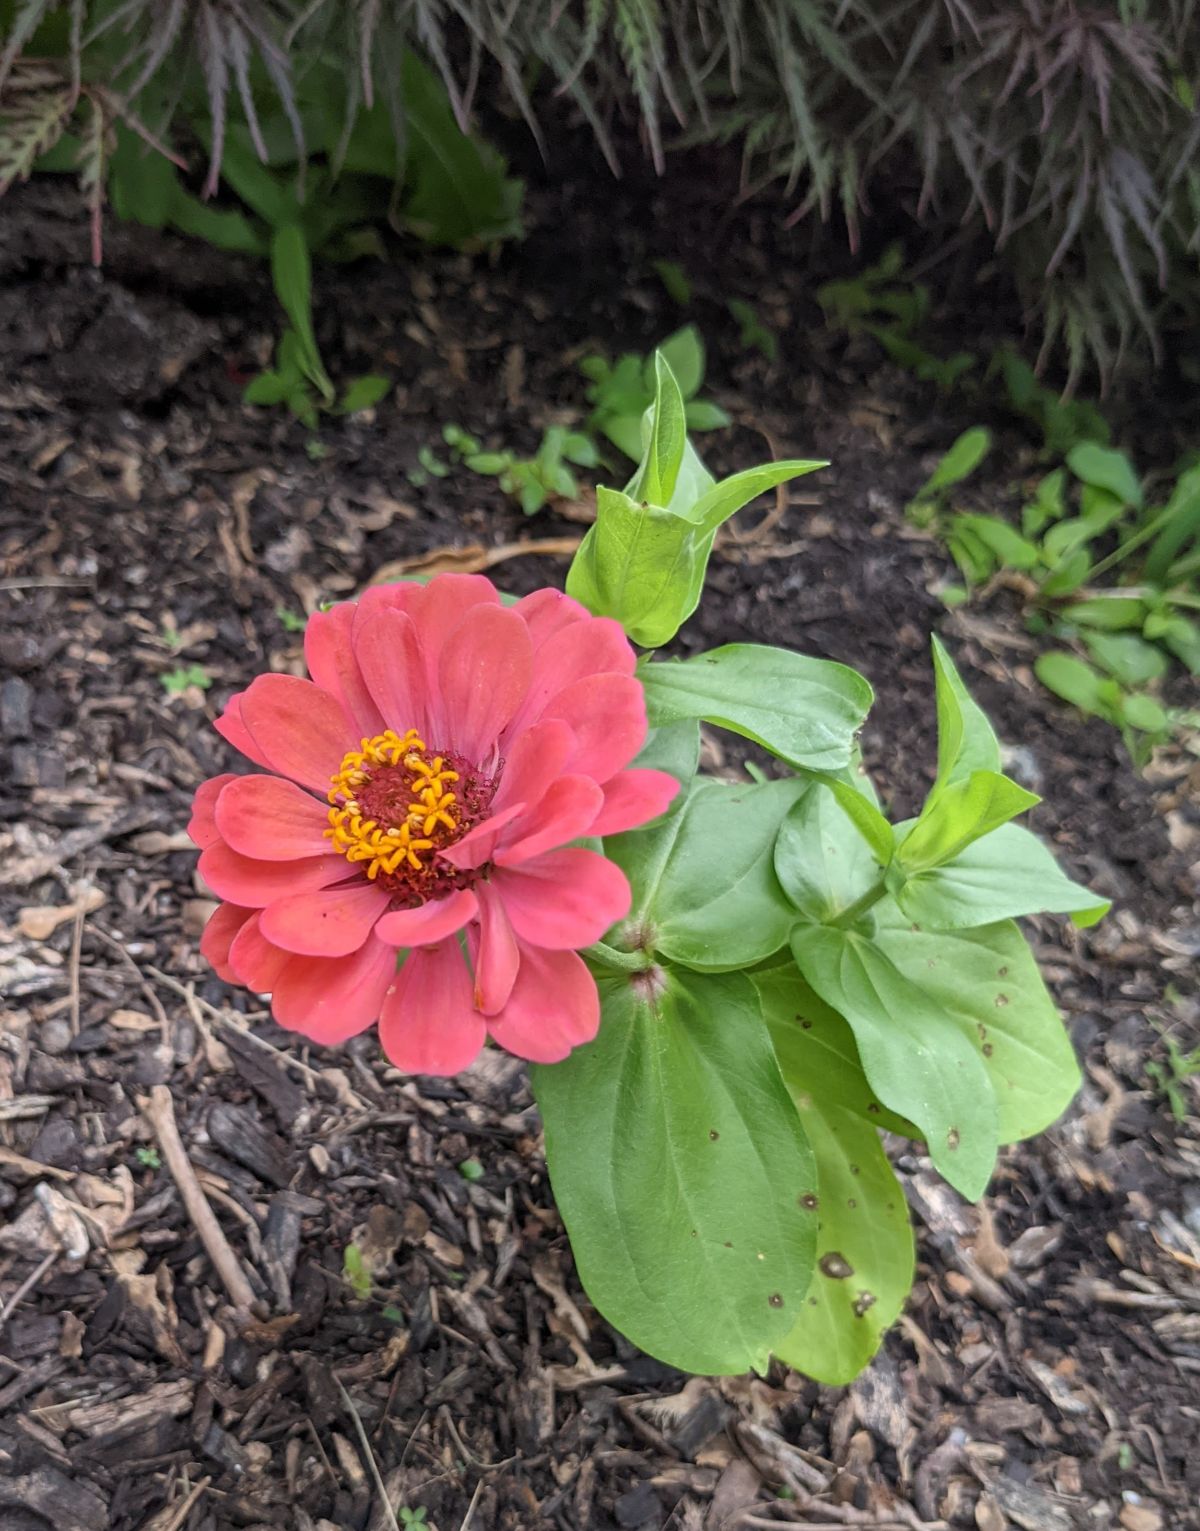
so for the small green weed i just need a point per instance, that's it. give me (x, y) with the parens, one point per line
(177, 681)
(148, 1157)
(355, 1272)
(546, 475)
(621, 392)
(1170, 1077)
(290, 621)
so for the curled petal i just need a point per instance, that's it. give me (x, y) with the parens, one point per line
(224, 924)
(554, 1006)
(232, 728)
(330, 922)
(429, 1023)
(608, 716)
(255, 884)
(632, 798)
(272, 819)
(329, 655)
(302, 732)
(202, 826)
(329, 999)
(494, 952)
(564, 813)
(255, 961)
(431, 923)
(565, 899)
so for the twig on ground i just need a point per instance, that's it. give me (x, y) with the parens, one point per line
(27, 1286)
(468, 1517)
(159, 1111)
(371, 1462)
(180, 1512)
(76, 954)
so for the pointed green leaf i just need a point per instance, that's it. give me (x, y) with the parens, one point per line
(1006, 874)
(291, 273)
(960, 814)
(864, 1251)
(678, 1163)
(664, 450)
(731, 494)
(823, 863)
(987, 982)
(806, 711)
(914, 1051)
(966, 741)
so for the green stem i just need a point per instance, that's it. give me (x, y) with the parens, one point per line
(860, 906)
(610, 957)
(1130, 544)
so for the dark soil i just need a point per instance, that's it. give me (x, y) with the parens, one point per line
(1047, 1373)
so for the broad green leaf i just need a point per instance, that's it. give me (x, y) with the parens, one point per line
(958, 815)
(704, 887)
(806, 711)
(291, 273)
(704, 415)
(664, 450)
(1068, 574)
(267, 388)
(1006, 874)
(1105, 468)
(679, 1166)
(823, 863)
(987, 982)
(959, 462)
(1011, 549)
(1182, 636)
(1070, 678)
(914, 1052)
(1131, 659)
(864, 1264)
(1144, 712)
(364, 393)
(966, 741)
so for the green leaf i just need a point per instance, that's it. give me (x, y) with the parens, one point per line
(863, 811)
(1106, 468)
(1145, 713)
(1182, 637)
(268, 388)
(987, 982)
(823, 863)
(659, 471)
(918, 1059)
(704, 887)
(960, 461)
(679, 1165)
(1109, 612)
(966, 741)
(364, 393)
(704, 415)
(725, 499)
(1131, 659)
(1005, 874)
(1182, 526)
(291, 273)
(673, 277)
(806, 711)
(864, 1250)
(957, 815)
(675, 749)
(1012, 550)
(684, 354)
(1072, 679)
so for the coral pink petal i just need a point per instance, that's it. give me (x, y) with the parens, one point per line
(479, 844)
(494, 952)
(222, 927)
(429, 1024)
(429, 924)
(582, 649)
(202, 826)
(329, 999)
(390, 655)
(608, 715)
(300, 729)
(271, 819)
(331, 922)
(255, 884)
(232, 728)
(483, 675)
(254, 960)
(564, 899)
(564, 813)
(554, 1006)
(547, 613)
(329, 655)
(535, 759)
(398, 597)
(633, 798)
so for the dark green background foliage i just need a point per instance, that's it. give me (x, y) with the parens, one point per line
(1067, 130)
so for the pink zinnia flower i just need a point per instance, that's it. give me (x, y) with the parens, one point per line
(420, 787)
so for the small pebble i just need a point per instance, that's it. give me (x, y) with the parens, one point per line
(16, 709)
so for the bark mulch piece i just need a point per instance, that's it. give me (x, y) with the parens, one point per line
(161, 1370)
